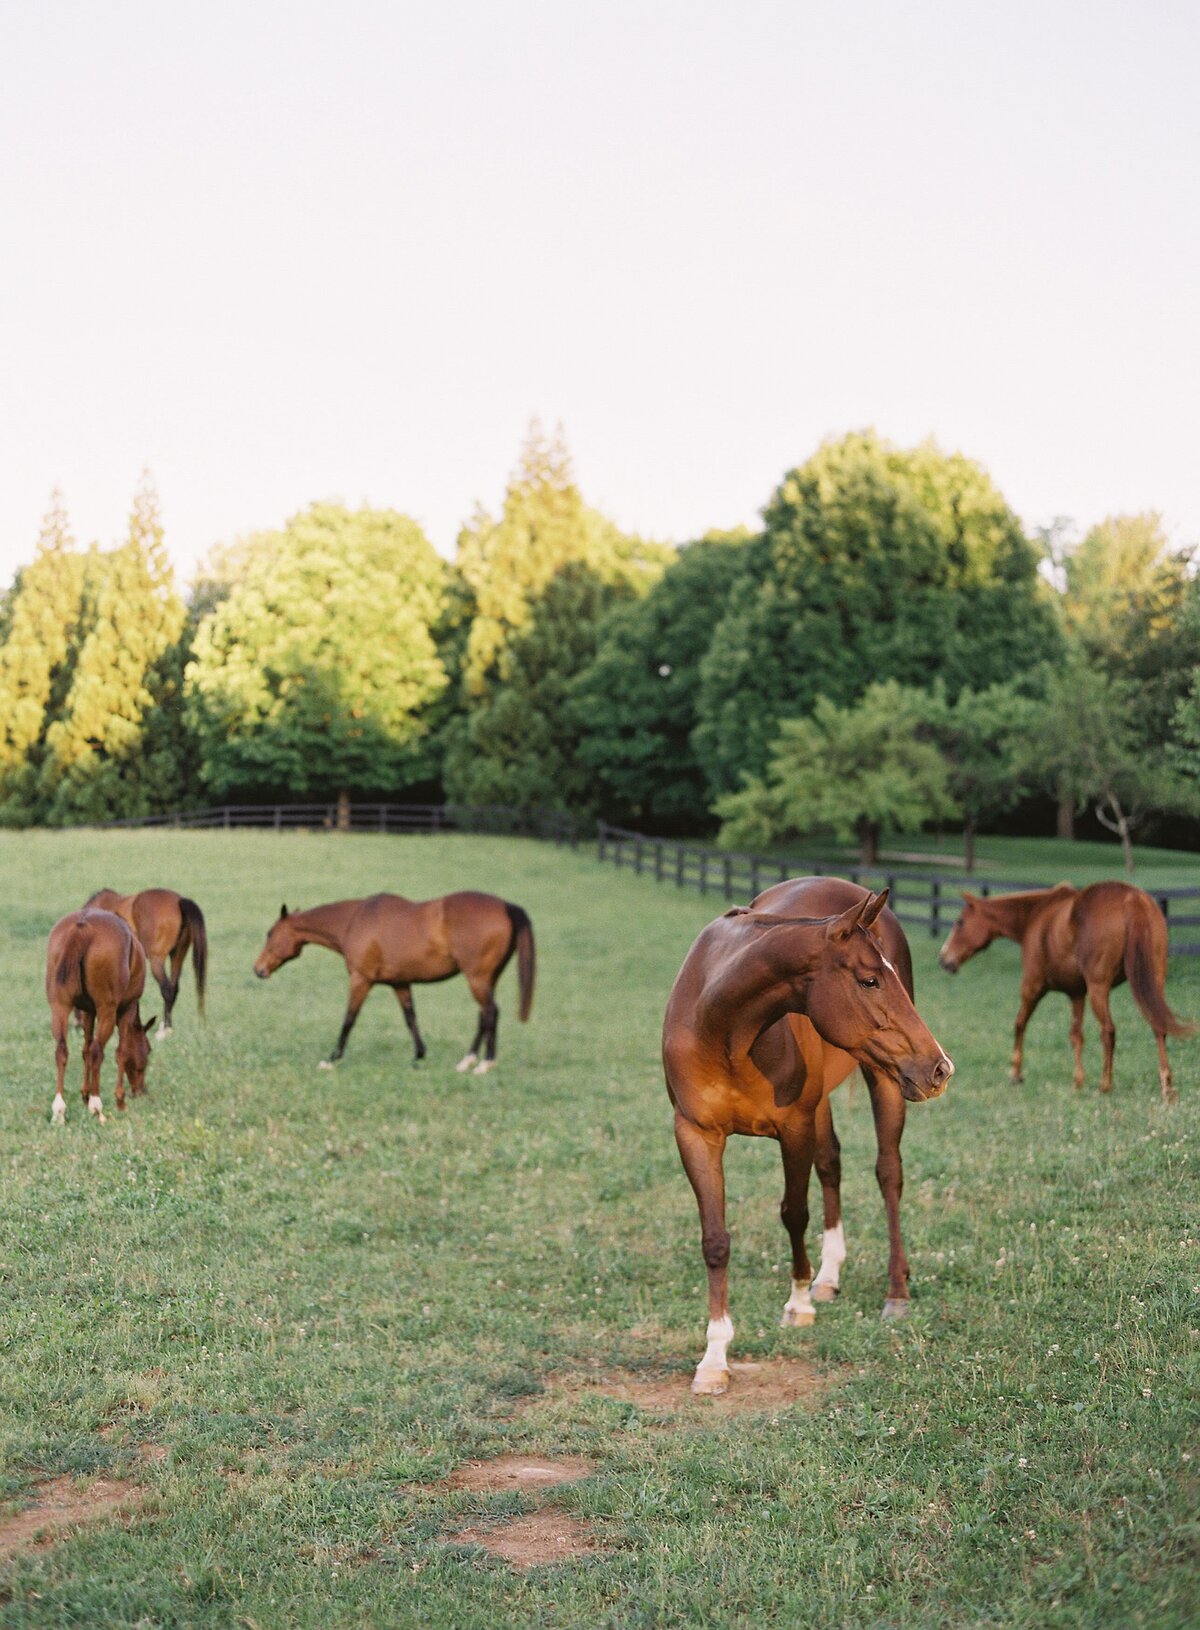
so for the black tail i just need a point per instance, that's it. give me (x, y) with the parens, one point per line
(1148, 992)
(193, 922)
(526, 956)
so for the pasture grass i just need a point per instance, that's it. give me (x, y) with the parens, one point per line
(320, 1293)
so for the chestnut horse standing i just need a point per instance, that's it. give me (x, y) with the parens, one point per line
(95, 966)
(1081, 942)
(168, 925)
(770, 1011)
(387, 940)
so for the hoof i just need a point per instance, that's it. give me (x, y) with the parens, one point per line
(710, 1383)
(161, 1033)
(797, 1316)
(896, 1307)
(484, 1065)
(824, 1293)
(326, 1064)
(464, 1064)
(58, 1113)
(1170, 1096)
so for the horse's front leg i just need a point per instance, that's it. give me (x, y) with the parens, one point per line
(797, 1143)
(702, 1155)
(887, 1106)
(1031, 995)
(1098, 996)
(359, 988)
(829, 1169)
(407, 1007)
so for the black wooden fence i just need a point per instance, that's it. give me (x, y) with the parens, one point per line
(922, 899)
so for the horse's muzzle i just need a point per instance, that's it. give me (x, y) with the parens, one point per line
(920, 1085)
(948, 964)
(262, 973)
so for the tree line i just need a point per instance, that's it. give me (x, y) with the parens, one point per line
(889, 650)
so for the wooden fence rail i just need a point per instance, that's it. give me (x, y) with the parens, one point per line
(551, 825)
(921, 899)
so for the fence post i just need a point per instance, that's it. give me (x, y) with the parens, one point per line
(935, 907)
(727, 868)
(637, 857)
(600, 844)
(703, 871)
(680, 863)
(227, 817)
(658, 861)
(755, 890)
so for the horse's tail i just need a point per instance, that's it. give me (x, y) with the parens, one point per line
(526, 956)
(1144, 981)
(193, 922)
(68, 975)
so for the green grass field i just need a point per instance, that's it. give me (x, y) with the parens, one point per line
(288, 1303)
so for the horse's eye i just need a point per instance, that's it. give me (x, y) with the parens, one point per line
(869, 984)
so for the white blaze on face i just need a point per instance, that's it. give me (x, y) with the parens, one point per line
(833, 1254)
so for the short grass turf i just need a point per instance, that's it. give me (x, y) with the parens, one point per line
(320, 1293)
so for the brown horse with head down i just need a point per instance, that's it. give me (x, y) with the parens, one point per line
(95, 966)
(1081, 942)
(387, 940)
(772, 1008)
(167, 925)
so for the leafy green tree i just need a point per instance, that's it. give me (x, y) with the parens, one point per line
(1124, 567)
(983, 736)
(544, 526)
(99, 761)
(849, 772)
(316, 670)
(518, 744)
(1083, 741)
(44, 617)
(635, 703)
(874, 562)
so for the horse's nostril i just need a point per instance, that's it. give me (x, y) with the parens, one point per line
(942, 1070)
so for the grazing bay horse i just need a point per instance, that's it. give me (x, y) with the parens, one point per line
(773, 1007)
(95, 966)
(387, 940)
(168, 925)
(1081, 942)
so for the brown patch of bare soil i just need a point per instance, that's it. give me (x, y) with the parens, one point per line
(773, 1384)
(60, 1506)
(533, 1540)
(517, 1472)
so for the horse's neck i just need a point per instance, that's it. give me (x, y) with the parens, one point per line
(1012, 914)
(323, 925)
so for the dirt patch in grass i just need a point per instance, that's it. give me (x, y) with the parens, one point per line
(533, 1540)
(59, 1506)
(773, 1384)
(509, 1472)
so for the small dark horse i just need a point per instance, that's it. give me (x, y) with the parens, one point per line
(387, 940)
(1081, 942)
(95, 966)
(167, 925)
(770, 1011)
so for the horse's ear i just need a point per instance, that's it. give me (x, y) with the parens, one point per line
(282, 913)
(873, 907)
(970, 899)
(842, 927)
(149, 1025)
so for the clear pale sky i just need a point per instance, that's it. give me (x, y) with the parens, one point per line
(280, 252)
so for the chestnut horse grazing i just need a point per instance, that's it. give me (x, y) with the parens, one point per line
(387, 940)
(168, 925)
(95, 966)
(1081, 942)
(773, 1007)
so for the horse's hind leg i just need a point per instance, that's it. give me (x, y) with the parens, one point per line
(359, 989)
(829, 1169)
(797, 1144)
(58, 1029)
(168, 984)
(404, 997)
(701, 1153)
(1098, 996)
(1077, 1006)
(98, 1028)
(1169, 1095)
(485, 1032)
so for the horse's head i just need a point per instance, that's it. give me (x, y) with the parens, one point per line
(974, 931)
(134, 1047)
(856, 1001)
(283, 944)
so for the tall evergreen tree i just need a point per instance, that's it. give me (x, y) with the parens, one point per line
(98, 764)
(45, 615)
